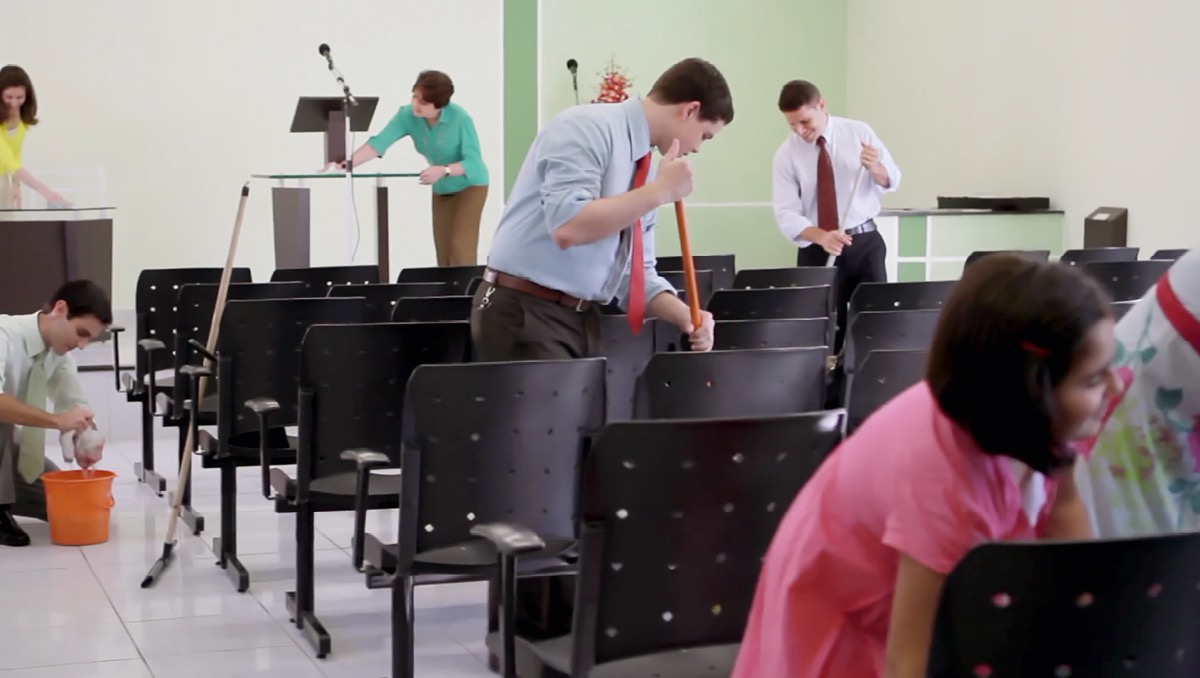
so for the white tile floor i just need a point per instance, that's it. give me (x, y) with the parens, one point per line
(80, 612)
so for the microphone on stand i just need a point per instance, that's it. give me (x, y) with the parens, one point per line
(324, 50)
(573, 66)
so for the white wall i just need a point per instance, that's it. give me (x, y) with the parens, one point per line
(1090, 102)
(182, 102)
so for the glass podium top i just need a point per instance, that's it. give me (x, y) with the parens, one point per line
(335, 175)
(44, 210)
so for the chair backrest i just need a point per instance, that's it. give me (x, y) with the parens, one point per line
(258, 355)
(352, 385)
(881, 376)
(196, 304)
(626, 355)
(772, 333)
(456, 278)
(722, 267)
(495, 441)
(677, 516)
(1122, 607)
(1120, 308)
(381, 298)
(787, 302)
(320, 278)
(758, 382)
(1097, 254)
(1040, 255)
(1127, 280)
(431, 309)
(883, 330)
(900, 296)
(794, 276)
(704, 282)
(1170, 255)
(155, 302)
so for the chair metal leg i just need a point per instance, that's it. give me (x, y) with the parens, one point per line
(190, 516)
(225, 546)
(144, 469)
(300, 603)
(402, 627)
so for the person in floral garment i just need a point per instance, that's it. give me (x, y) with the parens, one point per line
(1142, 474)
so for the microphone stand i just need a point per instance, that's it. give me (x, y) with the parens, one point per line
(573, 66)
(348, 101)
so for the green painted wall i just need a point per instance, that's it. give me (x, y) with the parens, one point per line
(520, 84)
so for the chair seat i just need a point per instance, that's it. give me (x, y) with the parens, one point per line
(243, 449)
(472, 555)
(555, 654)
(343, 485)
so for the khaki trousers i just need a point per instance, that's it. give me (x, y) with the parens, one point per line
(456, 226)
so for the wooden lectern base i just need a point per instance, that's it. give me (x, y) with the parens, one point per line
(37, 257)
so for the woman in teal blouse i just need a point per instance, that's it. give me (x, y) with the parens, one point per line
(445, 134)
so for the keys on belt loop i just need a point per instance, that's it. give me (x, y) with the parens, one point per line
(487, 296)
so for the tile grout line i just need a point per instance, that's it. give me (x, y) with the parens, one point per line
(124, 625)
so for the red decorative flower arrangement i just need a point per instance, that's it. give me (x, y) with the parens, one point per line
(614, 86)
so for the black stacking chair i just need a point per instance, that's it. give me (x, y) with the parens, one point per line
(381, 298)
(677, 516)
(320, 278)
(772, 333)
(793, 276)
(704, 282)
(1093, 255)
(883, 375)
(193, 321)
(258, 373)
(1127, 280)
(352, 383)
(431, 309)
(777, 304)
(1120, 308)
(684, 385)
(882, 330)
(1169, 255)
(1120, 607)
(154, 305)
(721, 265)
(456, 278)
(900, 296)
(1039, 255)
(626, 355)
(482, 442)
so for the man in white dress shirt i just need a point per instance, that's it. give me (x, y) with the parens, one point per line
(814, 171)
(35, 366)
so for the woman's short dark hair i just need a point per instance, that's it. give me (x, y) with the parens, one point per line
(696, 80)
(1006, 338)
(83, 298)
(435, 87)
(15, 76)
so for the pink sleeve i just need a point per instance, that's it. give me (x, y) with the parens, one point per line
(931, 518)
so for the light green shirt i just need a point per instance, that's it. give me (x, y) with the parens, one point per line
(452, 139)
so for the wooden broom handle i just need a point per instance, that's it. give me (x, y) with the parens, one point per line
(689, 266)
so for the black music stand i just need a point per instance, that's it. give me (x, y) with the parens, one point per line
(326, 114)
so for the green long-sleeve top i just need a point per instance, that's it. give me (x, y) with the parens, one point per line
(452, 139)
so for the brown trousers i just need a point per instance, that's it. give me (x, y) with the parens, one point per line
(510, 325)
(456, 225)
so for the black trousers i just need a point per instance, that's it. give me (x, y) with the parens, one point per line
(507, 325)
(863, 261)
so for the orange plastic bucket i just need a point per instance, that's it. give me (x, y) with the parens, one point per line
(78, 506)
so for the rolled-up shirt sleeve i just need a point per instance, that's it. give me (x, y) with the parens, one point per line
(571, 161)
(889, 163)
(785, 199)
(655, 283)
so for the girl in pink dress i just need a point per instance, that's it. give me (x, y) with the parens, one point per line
(1020, 365)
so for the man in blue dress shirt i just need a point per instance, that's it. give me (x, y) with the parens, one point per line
(567, 237)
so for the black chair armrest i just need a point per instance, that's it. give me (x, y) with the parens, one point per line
(264, 407)
(149, 346)
(366, 460)
(193, 374)
(118, 381)
(511, 540)
(199, 348)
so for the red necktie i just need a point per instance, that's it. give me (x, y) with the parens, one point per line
(827, 211)
(637, 267)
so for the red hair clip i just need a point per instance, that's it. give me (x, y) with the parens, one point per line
(1035, 350)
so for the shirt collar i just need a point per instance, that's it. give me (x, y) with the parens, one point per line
(34, 344)
(828, 134)
(639, 127)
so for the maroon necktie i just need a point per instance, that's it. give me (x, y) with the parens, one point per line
(637, 267)
(827, 211)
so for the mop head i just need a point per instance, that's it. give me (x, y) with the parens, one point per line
(86, 448)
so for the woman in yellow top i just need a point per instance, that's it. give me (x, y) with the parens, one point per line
(20, 113)
(445, 135)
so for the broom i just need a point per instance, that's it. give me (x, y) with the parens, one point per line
(689, 266)
(842, 227)
(185, 466)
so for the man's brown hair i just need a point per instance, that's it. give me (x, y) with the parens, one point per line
(696, 80)
(797, 94)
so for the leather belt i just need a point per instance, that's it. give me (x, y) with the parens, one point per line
(865, 227)
(529, 287)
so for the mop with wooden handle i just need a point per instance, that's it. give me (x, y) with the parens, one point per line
(850, 201)
(689, 266)
(185, 465)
